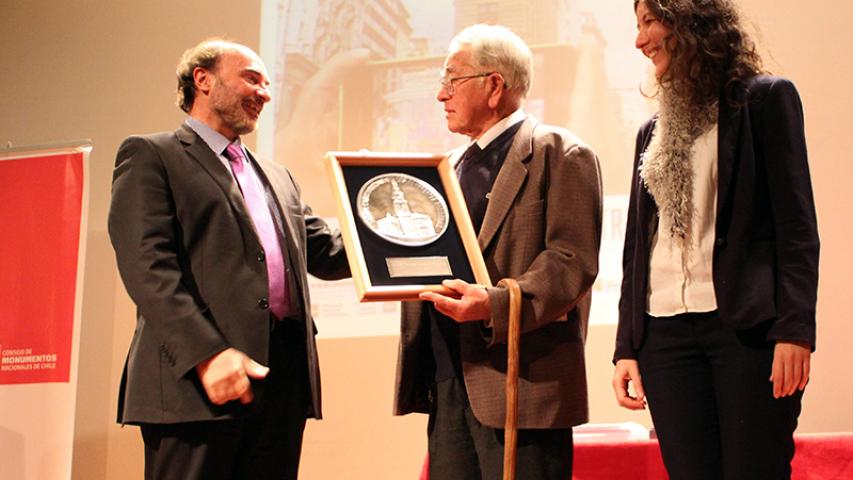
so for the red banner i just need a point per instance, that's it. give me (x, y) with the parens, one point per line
(41, 201)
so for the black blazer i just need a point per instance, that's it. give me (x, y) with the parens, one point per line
(765, 261)
(192, 262)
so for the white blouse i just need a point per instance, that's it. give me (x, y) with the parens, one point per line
(680, 280)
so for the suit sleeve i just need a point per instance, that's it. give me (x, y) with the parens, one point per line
(327, 258)
(627, 303)
(325, 255)
(144, 231)
(792, 204)
(562, 274)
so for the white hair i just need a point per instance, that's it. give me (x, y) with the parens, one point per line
(497, 48)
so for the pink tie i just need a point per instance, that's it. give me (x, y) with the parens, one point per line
(260, 212)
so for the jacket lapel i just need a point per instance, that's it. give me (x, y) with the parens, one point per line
(201, 153)
(727, 140)
(508, 183)
(278, 191)
(647, 208)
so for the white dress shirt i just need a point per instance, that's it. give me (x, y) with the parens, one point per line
(681, 280)
(492, 133)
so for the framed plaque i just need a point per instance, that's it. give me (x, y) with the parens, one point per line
(405, 224)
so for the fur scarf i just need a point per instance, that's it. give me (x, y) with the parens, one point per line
(666, 166)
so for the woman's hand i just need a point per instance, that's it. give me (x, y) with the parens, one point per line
(790, 371)
(628, 372)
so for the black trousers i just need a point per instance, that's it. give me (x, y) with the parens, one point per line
(461, 448)
(712, 402)
(264, 443)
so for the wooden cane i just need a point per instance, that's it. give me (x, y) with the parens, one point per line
(511, 423)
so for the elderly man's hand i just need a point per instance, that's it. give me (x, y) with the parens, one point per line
(471, 305)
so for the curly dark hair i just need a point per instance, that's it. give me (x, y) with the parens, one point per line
(710, 53)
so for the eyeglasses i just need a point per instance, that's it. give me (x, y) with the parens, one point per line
(449, 83)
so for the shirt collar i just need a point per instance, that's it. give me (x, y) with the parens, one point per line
(495, 130)
(215, 140)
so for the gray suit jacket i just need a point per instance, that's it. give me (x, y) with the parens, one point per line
(543, 228)
(193, 264)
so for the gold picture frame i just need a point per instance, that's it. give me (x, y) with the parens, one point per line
(389, 268)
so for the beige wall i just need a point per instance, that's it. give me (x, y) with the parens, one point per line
(103, 69)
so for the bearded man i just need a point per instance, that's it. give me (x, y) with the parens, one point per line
(213, 246)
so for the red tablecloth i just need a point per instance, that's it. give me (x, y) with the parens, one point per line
(823, 457)
(817, 457)
(637, 459)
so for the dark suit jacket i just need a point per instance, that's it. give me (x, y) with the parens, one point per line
(543, 228)
(193, 264)
(765, 260)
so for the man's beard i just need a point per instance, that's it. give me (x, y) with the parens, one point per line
(233, 115)
(229, 107)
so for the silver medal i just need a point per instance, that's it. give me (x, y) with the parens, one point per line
(402, 209)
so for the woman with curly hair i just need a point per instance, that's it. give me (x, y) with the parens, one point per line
(720, 267)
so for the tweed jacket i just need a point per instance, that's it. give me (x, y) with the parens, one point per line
(542, 227)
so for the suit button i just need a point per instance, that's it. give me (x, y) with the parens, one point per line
(261, 256)
(721, 243)
(264, 303)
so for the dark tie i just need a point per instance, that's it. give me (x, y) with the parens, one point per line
(256, 203)
(473, 183)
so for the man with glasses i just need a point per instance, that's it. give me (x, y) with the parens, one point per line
(534, 195)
